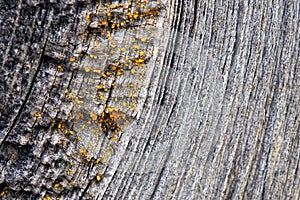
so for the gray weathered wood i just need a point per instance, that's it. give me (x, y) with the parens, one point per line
(172, 99)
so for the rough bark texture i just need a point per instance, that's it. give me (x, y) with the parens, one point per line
(178, 99)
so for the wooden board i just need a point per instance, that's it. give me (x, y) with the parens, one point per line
(149, 99)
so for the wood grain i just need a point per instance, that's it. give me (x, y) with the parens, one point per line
(169, 99)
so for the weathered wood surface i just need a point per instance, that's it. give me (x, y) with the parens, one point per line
(179, 99)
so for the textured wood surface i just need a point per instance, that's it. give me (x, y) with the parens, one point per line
(169, 99)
